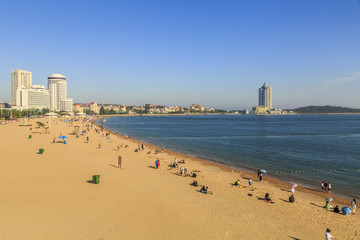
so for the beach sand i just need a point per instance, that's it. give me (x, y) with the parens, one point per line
(50, 195)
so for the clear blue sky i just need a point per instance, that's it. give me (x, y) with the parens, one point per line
(214, 53)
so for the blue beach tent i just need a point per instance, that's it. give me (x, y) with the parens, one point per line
(346, 210)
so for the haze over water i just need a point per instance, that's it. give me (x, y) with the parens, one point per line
(281, 143)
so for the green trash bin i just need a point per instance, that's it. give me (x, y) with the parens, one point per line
(41, 151)
(30, 136)
(30, 128)
(96, 179)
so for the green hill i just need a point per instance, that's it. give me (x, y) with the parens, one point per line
(325, 109)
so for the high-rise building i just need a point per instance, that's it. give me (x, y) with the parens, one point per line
(20, 79)
(265, 96)
(58, 93)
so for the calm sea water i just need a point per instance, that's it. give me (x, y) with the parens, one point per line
(276, 143)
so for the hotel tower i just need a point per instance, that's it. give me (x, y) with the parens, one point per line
(20, 79)
(265, 96)
(58, 93)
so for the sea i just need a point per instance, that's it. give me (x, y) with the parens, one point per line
(301, 149)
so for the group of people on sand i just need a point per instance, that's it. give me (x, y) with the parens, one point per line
(260, 175)
(141, 148)
(326, 186)
(336, 209)
(237, 183)
(205, 190)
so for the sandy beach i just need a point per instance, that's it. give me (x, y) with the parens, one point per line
(50, 195)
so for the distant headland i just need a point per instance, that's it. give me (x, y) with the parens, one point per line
(325, 110)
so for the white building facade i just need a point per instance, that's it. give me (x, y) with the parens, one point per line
(20, 79)
(58, 93)
(37, 97)
(94, 108)
(265, 96)
(66, 105)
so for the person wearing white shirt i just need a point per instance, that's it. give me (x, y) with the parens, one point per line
(328, 236)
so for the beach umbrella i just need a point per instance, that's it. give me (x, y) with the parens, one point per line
(346, 210)
(263, 170)
(294, 186)
(329, 199)
(63, 137)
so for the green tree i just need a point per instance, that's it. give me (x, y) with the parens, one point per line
(102, 111)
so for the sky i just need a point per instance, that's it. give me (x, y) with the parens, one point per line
(180, 52)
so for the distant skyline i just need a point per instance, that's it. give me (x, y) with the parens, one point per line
(213, 53)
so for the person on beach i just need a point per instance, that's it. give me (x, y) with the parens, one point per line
(118, 147)
(328, 236)
(329, 187)
(195, 183)
(87, 139)
(336, 209)
(207, 190)
(326, 187)
(327, 205)
(99, 145)
(267, 198)
(292, 198)
(157, 163)
(119, 162)
(353, 206)
(260, 176)
(323, 186)
(237, 183)
(202, 189)
(250, 182)
(53, 140)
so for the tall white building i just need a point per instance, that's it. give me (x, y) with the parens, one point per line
(265, 96)
(20, 79)
(37, 97)
(58, 93)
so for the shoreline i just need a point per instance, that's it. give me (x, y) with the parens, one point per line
(51, 195)
(216, 114)
(243, 171)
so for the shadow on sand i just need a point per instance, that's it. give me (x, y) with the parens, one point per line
(317, 205)
(285, 190)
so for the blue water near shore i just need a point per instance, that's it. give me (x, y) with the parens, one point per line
(282, 143)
